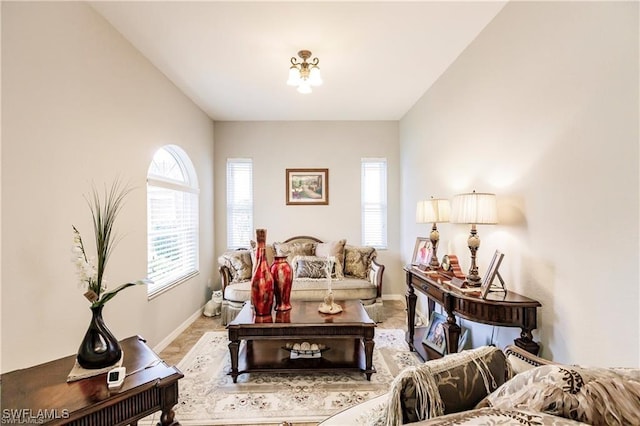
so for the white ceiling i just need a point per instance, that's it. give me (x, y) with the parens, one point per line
(232, 58)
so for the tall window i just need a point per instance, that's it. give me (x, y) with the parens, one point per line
(172, 219)
(374, 202)
(239, 202)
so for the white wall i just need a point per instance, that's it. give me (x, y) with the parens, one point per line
(338, 146)
(79, 106)
(542, 109)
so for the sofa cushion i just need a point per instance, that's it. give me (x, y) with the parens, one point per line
(312, 267)
(357, 261)
(335, 249)
(587, 394)
(239, 263)
(451, 384)
(294, 249)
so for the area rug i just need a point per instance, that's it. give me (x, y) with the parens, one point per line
(208, 395)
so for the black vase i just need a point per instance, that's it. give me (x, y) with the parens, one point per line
(99, 348)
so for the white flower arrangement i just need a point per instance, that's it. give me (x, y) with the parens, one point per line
(104, 214)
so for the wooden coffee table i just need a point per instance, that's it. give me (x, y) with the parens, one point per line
(348, 335)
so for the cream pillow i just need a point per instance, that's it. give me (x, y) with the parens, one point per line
(335, 249)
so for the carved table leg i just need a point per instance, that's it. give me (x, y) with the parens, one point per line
(525, 341)
(368, 353)
(166, 419)
(234, 347)
(451, 333)
(411, 312)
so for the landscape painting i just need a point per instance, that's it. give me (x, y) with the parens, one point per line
(307, 186)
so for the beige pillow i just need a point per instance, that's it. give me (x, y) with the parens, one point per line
(294, 249)
(311, 267)
(239, 263)
(335, 249)
(357, 261)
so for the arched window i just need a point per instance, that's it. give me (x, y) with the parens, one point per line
(172, 219)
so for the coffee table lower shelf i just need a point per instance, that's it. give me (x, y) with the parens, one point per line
(270, 356)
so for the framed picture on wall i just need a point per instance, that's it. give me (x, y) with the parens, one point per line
(307, 187)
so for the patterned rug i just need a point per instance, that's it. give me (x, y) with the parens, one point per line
(208, 395)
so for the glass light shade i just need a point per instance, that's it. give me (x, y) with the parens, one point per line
(294, 76)
(314, 76)
(474, 208)
(304, 87)
(434, 210)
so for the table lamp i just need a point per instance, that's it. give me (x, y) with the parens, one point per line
(434, 210)
(474, 208)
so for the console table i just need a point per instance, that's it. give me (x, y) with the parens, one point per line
(503, 309)
(42, 395)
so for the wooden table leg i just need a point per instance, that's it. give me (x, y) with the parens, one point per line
(368, 353)
(411, 312)
(234, 348)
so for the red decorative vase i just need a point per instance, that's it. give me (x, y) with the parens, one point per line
(282, 279)
(262, 280)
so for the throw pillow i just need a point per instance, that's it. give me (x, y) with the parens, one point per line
(311, 267)
(597, 396)
(451, 384)
(239, 264)
(335, 249)
(294, 249)
(357, 261)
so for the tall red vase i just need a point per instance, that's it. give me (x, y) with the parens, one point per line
(262, 280)
(282, 280)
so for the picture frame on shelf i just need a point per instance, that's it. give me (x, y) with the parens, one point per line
(434, 337)
(422, 253)
(491, 274)
(307, 187)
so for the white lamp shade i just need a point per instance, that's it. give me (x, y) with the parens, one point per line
(474, 208)
(434, 210)
(314, 76)
(294, 76)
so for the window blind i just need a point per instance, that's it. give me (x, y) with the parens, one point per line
(374, 202)
(172, 222)
(239, 202)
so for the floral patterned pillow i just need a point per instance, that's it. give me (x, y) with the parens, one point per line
(239, 263)
(357, 261)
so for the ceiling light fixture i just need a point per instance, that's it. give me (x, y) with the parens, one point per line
(304, 74)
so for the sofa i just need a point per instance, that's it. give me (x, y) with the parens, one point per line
(510, 387)
(356, 274)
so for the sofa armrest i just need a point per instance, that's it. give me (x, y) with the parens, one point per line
(522, 360)
(375, 276)
(225, 277)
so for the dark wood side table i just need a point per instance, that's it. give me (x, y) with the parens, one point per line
(348, 334)
(41, 394)
(508, 309)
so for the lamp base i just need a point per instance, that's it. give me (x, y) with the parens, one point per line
(474, 280)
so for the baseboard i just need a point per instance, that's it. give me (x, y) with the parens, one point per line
(175, 333)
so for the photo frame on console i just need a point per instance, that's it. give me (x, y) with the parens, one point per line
(491, 274)
(435, 338)
(306, 187)
(422, 253)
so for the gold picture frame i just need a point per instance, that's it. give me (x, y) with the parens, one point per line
(307, 187)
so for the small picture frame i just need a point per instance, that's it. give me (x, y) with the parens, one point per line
(306, 187)
(422, 253)
(492, 271)
(435, 338)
